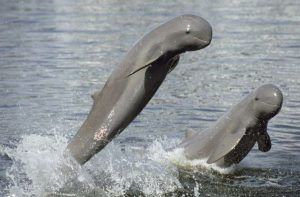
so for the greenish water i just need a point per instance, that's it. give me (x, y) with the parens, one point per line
(54, 54)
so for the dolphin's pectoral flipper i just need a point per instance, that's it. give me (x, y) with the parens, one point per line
(172, 64)
(133, 72)
(264, 142)
(227, 142)
(153, 55)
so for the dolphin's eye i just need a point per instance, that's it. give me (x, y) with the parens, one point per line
(188, 28)
(256, 99)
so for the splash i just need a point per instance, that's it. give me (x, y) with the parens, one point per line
(177, 157)
(133, 169)
(41, 167)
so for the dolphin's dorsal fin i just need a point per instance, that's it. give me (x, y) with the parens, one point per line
(190, 133)
(264, 142)
(227, 142)
(95, 94)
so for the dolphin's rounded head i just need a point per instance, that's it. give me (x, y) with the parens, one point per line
(186, 33)
(267, 101)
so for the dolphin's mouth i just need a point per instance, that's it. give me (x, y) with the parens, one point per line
(273, 105)
(204, 42)
(273, 112)
(198, 44)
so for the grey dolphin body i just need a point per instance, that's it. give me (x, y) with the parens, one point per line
(133, 83)
(231, 138)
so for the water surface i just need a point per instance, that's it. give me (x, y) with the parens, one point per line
(54, 54)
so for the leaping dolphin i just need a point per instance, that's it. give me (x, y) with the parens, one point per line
(133, 83)
(231, 138)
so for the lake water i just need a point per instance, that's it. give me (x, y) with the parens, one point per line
(55, 53)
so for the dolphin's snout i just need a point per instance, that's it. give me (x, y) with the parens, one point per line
(278, 97)
(268, 101)
(207, 35)
(270, 94)
(207, 42)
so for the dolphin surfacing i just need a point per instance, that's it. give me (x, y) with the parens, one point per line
(232, 137)
(133, 83)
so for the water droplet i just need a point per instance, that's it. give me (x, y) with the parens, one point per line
(188, 28)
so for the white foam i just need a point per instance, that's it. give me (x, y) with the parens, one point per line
(37, 164)
(177, 157)
(40, 167)
(134, 167)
